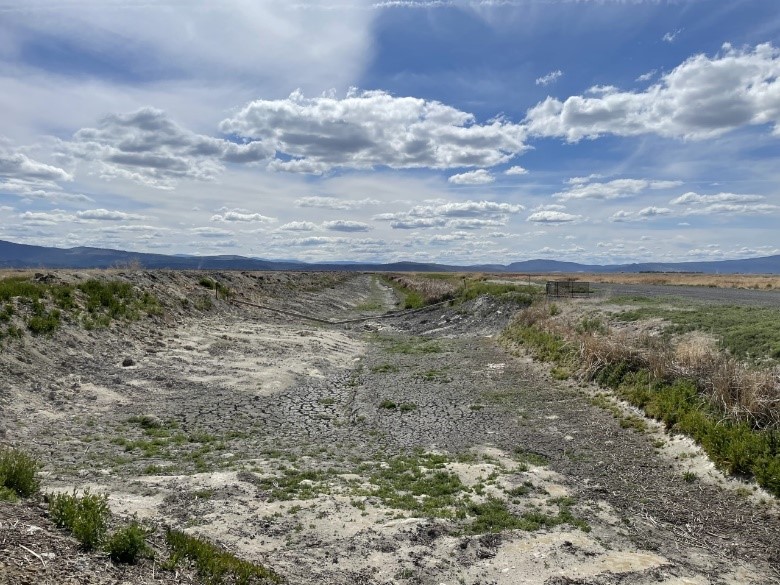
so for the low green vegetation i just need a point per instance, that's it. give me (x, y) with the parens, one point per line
(17, 474)
(85, 516)
(711, 398)
(747, 332)
(221, 289)
(42, 306)
(420, 290)
(295, 484)
(128, 544)
(213, 564)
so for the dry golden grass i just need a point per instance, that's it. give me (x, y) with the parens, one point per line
(752, 281)
(741, 391)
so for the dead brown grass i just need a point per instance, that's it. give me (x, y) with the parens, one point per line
(750, 281)
(741, 391)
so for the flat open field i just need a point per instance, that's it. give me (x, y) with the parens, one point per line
(412, 449)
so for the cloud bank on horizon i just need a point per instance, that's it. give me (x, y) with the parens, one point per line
(486, 132)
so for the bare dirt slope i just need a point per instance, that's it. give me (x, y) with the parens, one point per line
(408, 450)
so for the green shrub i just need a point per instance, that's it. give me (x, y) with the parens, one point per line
(86, 517)
(45, 322)
(215, 565)
(18, 472)
(128, 544)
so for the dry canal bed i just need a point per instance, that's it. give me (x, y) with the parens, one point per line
(407, 450)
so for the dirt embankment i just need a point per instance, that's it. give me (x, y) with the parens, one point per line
(407, 450)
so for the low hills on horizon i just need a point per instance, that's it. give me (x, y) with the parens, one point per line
(14, 255)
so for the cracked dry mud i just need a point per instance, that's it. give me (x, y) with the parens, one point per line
(277, 438)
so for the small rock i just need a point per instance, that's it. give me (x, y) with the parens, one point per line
(127, 362)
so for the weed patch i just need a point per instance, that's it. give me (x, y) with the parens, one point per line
(18, 473)
(213, 564)
(85, 516)
(128, 544)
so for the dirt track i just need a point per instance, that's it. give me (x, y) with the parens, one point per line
(272, 434)
(703, 294)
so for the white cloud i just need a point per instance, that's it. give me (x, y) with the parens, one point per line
(701, 98)
(516, 170)
(371, 129)
(298, 226)
(723, 203)
(551, 77)
(457, 215)
(107, 215)
(475, 224)
(211, 232)
(582, 189)
(41, 218)
(671, 36)
(478, 177)
(334, 203)
(695, 198)
(553, 217)
(346, 226)
(241, 215)
(20, 166)
(147, 147)
(231, 39)
(647, 76)
(644, 214)
(418, 223)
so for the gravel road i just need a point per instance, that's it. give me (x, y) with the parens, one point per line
(700, 294)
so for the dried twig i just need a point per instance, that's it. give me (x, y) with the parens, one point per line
(35, 554)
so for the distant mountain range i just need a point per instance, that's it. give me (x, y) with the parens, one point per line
(25, 256)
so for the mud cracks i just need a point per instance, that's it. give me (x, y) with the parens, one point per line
(412, 450)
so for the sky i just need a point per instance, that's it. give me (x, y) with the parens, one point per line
(452, 131)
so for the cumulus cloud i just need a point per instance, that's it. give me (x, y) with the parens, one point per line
(583, 189)
(417, 223)
(695, 198)
(701, 98)
(147, 147)
(551, 77)
(211, 232)
(478, 177)
(345, 226)
(373, 128)
(721, 203)
(459, 215)
(298, 226)
(42, 218)
(107, 215)
(334, 203)
(553, 217)
(641, 215)
(20, 166)
(516, 170)
(241, 215)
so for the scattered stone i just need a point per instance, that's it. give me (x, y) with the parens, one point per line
(127, 362)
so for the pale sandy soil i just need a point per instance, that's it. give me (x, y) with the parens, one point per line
(244, 398)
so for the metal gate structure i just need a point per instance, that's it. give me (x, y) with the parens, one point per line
(568, 288)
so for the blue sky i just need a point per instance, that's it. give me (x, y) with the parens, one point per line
(604, 131)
